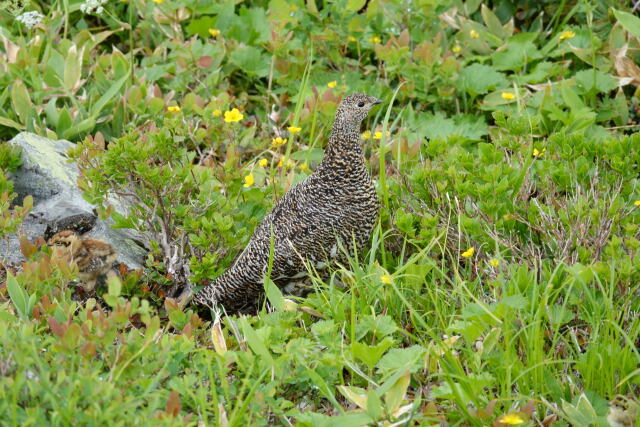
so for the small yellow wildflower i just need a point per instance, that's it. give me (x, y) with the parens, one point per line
(474, 34)
(351, 39)
(565, 35)
(375, 40)
(233, 116)
(456, 49)
(248, 180)
(263, 163)
(637, 203)
(214, 32)
(538, 153)
(294, 129)
(278, 142)
(158, 1)
(386, 279)
(511, 419)
(332, 84)
(494, 262)
(508, 96)
(304, 167)
(378, 134)
(366, 134)
(173, 109)
(469, 252)
(217, 113)
(286, 162)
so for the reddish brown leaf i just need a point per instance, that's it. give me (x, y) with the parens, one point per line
(188, 330)
(88, 350)
(26, 247)
(205, 62)
(173, 404)
(56, 327)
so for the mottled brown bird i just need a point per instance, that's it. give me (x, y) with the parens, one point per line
(335, 207)
(93, 257)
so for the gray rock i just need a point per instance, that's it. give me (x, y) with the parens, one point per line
(48, 175)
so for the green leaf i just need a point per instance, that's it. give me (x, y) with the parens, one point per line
(402, 359)
(255, 342)
(374, 405)
(73, 68)
(478, 79)
(273, 293)
(21, 100)
(629, 22)
(18, 296)
(394, 397)
(115, 285)
(201, 26)
(355, 5)
(10, 123)
(370, 354)
(595, 81)
(97, 107)
(250, 60)
(84, 126)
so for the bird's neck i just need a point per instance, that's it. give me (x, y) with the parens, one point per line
(344, 151)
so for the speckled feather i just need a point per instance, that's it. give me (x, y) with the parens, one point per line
(93, 257)
(336, 206)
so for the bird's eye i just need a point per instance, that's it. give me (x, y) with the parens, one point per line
(361, 104)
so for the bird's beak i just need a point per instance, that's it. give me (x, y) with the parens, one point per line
(377, 101)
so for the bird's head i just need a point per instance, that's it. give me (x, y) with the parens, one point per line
(352, 111)
(64, 241)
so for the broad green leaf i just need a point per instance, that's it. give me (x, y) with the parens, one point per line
(21, 100)
(250, 60)
(84, 126)
(106, 97)
(115, 285)
(255, 342)
(628, 21)
(73, 68)
(18, 296)
(355, 5)
(4, 121)
(374, 405)
(394, 397)
(355, 395)
(478, 79)
(370, 354)
(402, 359)
(273, 293)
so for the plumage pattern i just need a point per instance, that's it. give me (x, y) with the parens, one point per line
(335, 207)
(93, 257)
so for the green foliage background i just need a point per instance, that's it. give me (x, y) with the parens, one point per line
(511, 130)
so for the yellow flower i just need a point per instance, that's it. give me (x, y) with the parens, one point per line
(248, 180)
(173, 109)
(304, 167)
(332, 84)
(278, 142)
(474, 34)
(469, 252)
(512, 419)
(375, 39)
(366, 134)
(637, 203)
(565, 35)
(158, 1)
(286, 162)
(538, 153)
(263, 162)
(233, 116)
(456, 49)
(386, 279)
(378, 134)
(351, 39)
(217, 113)
(294, 129)
(214, 32)
(508, 96)
(494, 262)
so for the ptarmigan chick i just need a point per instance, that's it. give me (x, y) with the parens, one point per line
(334, 208)
(93, 257)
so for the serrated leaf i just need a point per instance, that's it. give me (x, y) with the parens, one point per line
(478, 79)
(250, 60)
(254, 341)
